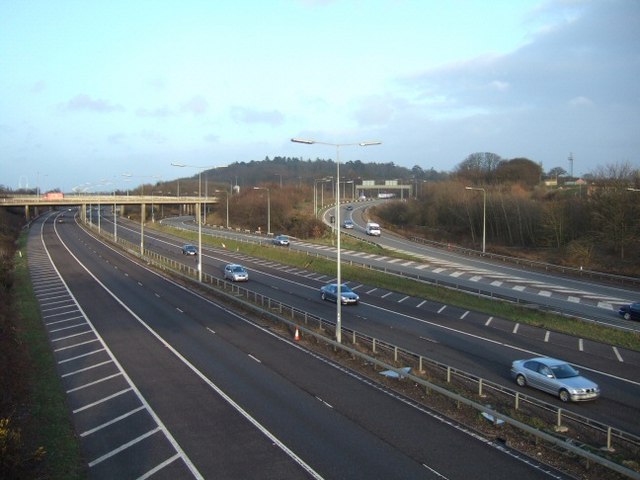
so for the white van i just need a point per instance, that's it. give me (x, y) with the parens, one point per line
(373, 229)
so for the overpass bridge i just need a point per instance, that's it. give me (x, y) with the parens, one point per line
(33, 203)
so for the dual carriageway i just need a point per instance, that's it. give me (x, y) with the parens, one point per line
(448, 331)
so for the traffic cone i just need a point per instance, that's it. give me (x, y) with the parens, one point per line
(296, 336)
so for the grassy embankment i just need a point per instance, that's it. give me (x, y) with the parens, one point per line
(47, 431)
(505, 310)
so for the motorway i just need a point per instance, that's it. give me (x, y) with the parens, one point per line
(569, 295)
(163, 383)
(470, 341)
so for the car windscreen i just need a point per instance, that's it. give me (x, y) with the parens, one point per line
(564, 371)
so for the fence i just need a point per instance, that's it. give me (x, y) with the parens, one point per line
(598, 441)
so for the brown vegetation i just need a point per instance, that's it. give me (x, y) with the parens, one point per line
(595, 228)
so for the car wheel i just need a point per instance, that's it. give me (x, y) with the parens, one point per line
(564, 395)
(324, 297)
(627, 316)
(521, 381)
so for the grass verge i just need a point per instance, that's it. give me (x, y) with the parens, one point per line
(502, 309)
(49, 424)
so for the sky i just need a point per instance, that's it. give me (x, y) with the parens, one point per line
(92, 91)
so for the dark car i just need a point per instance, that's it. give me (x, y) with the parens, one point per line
(189, 250)
(349, 207)
(630, 312)
(236, 273)
(281, 240)
(555, 377)
(330, 293)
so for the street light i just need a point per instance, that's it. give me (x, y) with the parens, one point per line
(200, 168)
(268, 208)
(337, 223)
(484, 215)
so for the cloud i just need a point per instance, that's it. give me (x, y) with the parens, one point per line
(154, 137)
(84, 102)
(196, 105)
(248, 115)
(580, 102)
(374, 110)
(38, 87)
(117, 138)
(212, 138)
(160, 112)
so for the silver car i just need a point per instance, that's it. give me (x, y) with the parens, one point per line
(556, 377)
(330, 293)
(235, 273)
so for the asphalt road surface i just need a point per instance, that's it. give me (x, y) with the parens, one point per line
(165, 384)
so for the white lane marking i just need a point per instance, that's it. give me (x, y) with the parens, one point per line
(211, 330)
(327, 404)
(421, 303)
(96, 382)
(387, 294)
(580, 345)
(515, 328)
(403, 299)
(617, 353)
(102, 400)
(80, 356)
(489, 320)
(86, 368)
(464, 314)
(112, 421)
(61, 349)
(254, 358)
(442, 308)
(547, 335)
(276, 441)
(123, 447)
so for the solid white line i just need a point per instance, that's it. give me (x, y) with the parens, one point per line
(421, 303)
(442, 308)
(83, 324)
(200, 375)
(96, 382)
(403, 299)
(489, 320)
(71, 336)
(75, 345)
(65, 320)
(81, 356)
(159, 467)
(546, 336)
(87, 368)
(580, 345)
(102, 400)
(112, 421)
(464, 314)
(123, 447)
(515, 328)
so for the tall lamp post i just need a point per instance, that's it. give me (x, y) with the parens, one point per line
(484, 215)
(199, 212)
(337, 224)
(268, 208)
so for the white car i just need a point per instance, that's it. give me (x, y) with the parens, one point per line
(236, 273)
